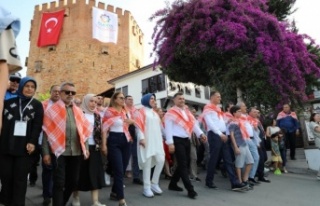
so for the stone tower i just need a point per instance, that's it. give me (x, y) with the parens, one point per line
(79, 58)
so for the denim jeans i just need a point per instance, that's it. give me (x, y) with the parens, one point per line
(255, 154)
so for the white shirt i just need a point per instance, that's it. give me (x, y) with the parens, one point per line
(173, 129)
(90, 118)
(117, 126)
(215, 123)
(248, 126)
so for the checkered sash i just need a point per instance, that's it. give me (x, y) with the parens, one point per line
(283, 115)
(111, 115)
(140, 119)
(242, 127)
(177, 117)
(207, 109)
(54, 125)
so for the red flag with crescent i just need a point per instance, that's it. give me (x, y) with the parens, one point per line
(51, 24)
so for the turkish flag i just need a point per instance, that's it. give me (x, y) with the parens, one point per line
(51, 24)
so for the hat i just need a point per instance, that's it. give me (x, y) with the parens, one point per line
(15, 76)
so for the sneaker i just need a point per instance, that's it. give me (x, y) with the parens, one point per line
(266, 170)
(240, 187)
(98, 204)
(156, 189)
(249, 185)
(123, 204)
(76, 201)
(147, 193)
(318, 177)
(284, 170)
(253, 181)
(277, 172)
(107, 179)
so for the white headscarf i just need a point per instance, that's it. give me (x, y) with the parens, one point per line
(85, 104)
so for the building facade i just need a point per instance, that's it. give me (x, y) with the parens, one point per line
(78, 57)
(150, 80)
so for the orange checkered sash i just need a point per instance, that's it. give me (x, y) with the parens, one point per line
(283, 115)
(241, 124)
(207, 109)
(54, 125)
(177, 117)
(253, 121)
(228, 117)
(111, 115)
(140, 119)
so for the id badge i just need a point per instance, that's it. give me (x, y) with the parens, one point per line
(20, 128)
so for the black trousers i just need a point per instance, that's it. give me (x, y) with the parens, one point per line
(35, 156)
(291, 138)
(182, 154)
(65, 178)
(14, 176)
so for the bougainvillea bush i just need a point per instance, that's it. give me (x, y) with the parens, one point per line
(234, 44)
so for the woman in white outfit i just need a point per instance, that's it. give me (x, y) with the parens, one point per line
(315, 128)
(150, 147)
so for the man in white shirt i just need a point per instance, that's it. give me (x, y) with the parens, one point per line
(219, 143)
(179, 125)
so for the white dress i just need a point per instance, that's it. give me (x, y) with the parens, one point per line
(152, 136)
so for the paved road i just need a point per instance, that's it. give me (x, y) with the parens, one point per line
(286, 190)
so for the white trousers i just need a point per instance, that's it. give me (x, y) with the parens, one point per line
(159, 159)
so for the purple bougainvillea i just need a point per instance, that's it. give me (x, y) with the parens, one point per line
(204, 40)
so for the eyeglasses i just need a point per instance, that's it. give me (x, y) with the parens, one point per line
(69, 92)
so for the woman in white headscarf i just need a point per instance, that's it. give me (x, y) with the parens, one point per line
(91, 172)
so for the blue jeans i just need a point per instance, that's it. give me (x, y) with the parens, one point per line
(217, 147)
(255, 154)
(118, 155)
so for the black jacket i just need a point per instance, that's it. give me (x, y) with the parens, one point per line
(33, 114)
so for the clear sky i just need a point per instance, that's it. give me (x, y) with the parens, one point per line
(306, 17)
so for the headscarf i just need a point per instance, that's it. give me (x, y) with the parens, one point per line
(85, 104)
(145, 100)
(22, 83)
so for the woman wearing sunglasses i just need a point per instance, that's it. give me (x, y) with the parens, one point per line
(116, 140)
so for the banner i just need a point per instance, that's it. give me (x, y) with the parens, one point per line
(51, 24)
(104, 25)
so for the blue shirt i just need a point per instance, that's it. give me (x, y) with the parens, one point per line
(10, 95)
(288, 123)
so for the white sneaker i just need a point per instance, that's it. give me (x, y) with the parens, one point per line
(266, 170)
(98, 204)
(107, 179)
(147, 193)
(76, 201)
(156, 189)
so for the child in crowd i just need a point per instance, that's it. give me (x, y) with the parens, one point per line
(276, 156)
(242, 153)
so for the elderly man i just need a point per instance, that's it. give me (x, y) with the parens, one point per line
(288, 121)
(66, 131)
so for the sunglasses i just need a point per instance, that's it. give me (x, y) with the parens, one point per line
(15, 80)
(69, 92)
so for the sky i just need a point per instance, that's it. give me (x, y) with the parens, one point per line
(306, 17)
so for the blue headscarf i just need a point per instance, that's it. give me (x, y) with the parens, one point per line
(23, 82)
(146, 99)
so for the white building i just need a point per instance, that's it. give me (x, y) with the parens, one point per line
(150, 80)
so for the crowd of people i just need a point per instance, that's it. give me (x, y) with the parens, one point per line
(83, 145)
